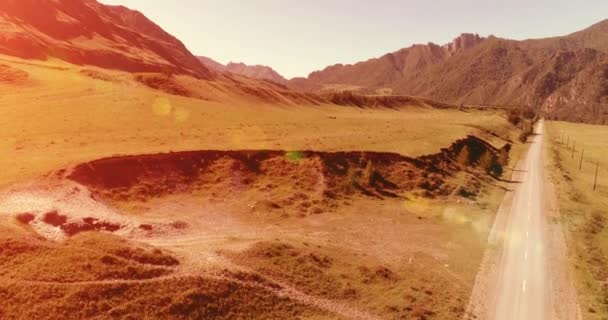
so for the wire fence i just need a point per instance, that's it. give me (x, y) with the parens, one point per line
(576, 150)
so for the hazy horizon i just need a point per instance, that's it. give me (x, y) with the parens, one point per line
(278, 33)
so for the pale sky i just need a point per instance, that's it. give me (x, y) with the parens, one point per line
(296, 37)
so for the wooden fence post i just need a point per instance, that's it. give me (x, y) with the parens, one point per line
(580, 165)
(573, 148)
(597, 167)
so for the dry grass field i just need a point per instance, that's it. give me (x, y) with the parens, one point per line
(290, 211)
(61, 117)
(583, 211)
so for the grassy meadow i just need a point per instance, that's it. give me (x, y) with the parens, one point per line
(584, 212)
(62, 116)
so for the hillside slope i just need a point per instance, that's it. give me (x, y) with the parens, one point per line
(546, 74)
(87, 32)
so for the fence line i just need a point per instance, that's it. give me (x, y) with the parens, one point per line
(562, 135)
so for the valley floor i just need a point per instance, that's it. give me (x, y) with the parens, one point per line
(304, 231)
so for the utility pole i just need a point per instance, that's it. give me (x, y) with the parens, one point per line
(580, 165)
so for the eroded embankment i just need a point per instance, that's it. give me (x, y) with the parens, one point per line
(359, 100)
(83, 198)
(285, 177)
(331, 282)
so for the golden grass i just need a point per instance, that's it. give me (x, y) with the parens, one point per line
(386, 289)
(66, 116)
(87, 257)
(98, 275)
(583, 211)
(181, 298)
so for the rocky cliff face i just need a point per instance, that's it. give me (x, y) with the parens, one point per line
(463, 42)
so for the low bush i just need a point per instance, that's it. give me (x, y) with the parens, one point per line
(514, 117)
(526, 131)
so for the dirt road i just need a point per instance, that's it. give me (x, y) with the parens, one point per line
(524, 274)
(523, 290)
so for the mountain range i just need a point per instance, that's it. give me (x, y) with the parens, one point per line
(252, 71)
(565, 77)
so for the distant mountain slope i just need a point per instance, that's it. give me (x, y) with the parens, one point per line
(255, 72)
(390, 68)
(87, 32)
(212, 64)
(565, 76)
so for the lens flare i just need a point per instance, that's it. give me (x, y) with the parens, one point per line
(294, 156)
(455, 215)
(417, 204)
(162, 106)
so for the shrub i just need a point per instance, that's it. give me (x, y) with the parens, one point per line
(514, 117)
(496, 169)
(464, 156)
(528, 113)
(526, 131)
(517, 115)
(490, 164)
(464, 192)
